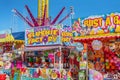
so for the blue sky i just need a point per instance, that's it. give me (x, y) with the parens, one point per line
(82, 8)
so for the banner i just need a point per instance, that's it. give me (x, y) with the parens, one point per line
(66, 35)
(96, 25)
(42, 36)
(47, 35)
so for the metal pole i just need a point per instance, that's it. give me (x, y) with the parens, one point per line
(72, 13)
(87, 70)
(60, 61)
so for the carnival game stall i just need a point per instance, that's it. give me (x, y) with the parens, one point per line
(11, 48)
(102, 36)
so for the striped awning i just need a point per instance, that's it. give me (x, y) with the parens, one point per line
(41, 48)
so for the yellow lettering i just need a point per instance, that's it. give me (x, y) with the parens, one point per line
(37, 34)
(69, 34)
(116, 20)
(43, 33)
(95, 23)
(30, 35)
(85, 22)
(100, 21)
(50, 39)
(65, 39)
(55, 32)
(41, 38)
(55, 38)
(90, 23)
(108, 21)
(29, 41)
(47, 32)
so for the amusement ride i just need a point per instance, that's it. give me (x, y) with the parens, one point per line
(43, 17)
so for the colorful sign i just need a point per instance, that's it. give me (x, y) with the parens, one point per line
(105, 20)
(97, 25)
(66, 35)
(42, 36)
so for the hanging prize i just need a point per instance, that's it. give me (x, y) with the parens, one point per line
(96, 45)
(54, 75)
(79, 46)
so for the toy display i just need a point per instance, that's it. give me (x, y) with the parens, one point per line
(95, 75)
(48, 61)
(96, 57)
(104, 59)
(112, 61)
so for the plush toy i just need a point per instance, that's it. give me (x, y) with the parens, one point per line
(19, 64)
(57, 56)
(65, 58)
(7, 77)
(7, 65)
(2, 76)
(54, 75)
(117, 48)
(64, 74)
(98, 66)
(1, 62)
(27, 73)
(71, 57)
(98, 54)
(112, 46)
(90, 65)
(51, 60)
(69, 75)
(43, 73)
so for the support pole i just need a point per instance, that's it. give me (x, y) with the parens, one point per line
(60, 62)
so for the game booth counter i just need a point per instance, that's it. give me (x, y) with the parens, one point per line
(51, 54)
(102, 36)
(10, 50)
